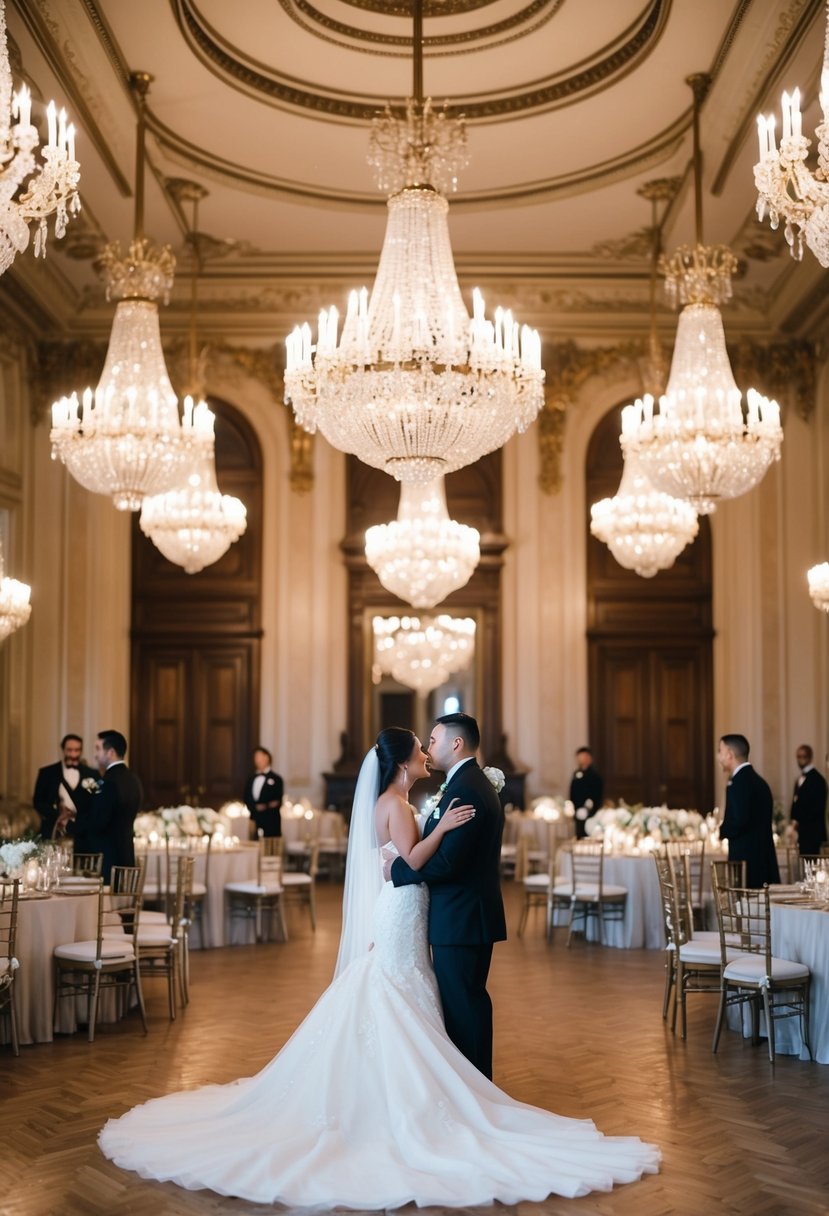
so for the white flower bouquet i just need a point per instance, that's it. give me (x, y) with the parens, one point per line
(14, 853)
(624, 825)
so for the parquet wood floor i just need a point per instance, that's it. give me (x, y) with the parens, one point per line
(577, 1031)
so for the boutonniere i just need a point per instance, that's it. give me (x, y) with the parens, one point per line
(92, 785)
(430, 806)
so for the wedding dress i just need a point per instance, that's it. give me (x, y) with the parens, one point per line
(369, 1105)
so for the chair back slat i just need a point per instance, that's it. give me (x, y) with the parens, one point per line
(88, 865)
(728, 873)
(9, 897)
(744, 921)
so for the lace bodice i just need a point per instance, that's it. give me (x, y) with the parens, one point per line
(401, 933)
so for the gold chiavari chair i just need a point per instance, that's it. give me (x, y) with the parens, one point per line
(694, 850)
(9, 895)
(110, 960)
(300, 887)
(788, 857)
(162, 948)
(726, 873)
(547, 890)
(591, 895)
(750, 972)
(254, 901)
(697, 964)
(87, 865)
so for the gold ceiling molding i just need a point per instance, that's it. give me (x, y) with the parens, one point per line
(792, 26)
(520, 24)
(252, 77)
(619, 168)
(83, 98)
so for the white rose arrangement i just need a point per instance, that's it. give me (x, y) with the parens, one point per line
(14, 853)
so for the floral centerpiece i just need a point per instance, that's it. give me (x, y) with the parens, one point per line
(178, 822)
(14, 855)
(643, 828)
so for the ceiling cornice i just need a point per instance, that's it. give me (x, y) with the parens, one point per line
(255, 79)
(46, 36)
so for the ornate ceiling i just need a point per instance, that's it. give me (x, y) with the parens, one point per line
(572, 105)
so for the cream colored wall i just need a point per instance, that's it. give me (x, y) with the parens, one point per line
(303, 594)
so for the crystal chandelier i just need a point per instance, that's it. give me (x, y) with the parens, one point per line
(412, 385)
(126, 440)
(194, 524)
(644, 529)
(15, 608)
(52, 188)
(423, 555)
(422, 652)
(818, 578)
(699, 446)
(785, 187)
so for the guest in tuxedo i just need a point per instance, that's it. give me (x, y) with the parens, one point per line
(586, 789)
(747, 824)
(809, 803)
(466, 911)
(59, 791)
(263, 794)
(104, 825)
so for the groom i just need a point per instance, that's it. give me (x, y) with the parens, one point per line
(466, 912)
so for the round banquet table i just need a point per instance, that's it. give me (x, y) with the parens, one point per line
(642, 926)
(43, 924)
(226, 865)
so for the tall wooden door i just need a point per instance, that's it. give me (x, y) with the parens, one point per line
(195, 720)
(650, 660)
(648, 729)
(195, 649)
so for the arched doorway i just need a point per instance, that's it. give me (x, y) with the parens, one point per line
(196, 647)
(649, 644)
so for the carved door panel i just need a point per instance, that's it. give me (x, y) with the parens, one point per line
(195, 724)
(650, 727)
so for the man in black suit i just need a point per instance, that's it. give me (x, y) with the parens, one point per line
(59, 789)
(466, 911)
(586, 789)
(809, 804)
(105, 824)
(263, 794)
(747, 824)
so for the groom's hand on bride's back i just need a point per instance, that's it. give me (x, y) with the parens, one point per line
(388, 861)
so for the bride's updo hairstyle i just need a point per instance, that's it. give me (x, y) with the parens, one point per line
(394, 746)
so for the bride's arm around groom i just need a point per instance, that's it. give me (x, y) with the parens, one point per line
(466, 913)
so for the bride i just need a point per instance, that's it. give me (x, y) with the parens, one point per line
(369, 1105)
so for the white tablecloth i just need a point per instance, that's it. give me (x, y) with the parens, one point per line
(642, 925)
(802, 935)
(519, 824)
(226, 865)
(42, 925)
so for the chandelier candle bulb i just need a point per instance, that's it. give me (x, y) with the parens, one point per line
(52, 125)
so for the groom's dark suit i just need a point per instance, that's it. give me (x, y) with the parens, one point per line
(747, 825)
(466, 911)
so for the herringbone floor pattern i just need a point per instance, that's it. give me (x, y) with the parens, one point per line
(577, 1031)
